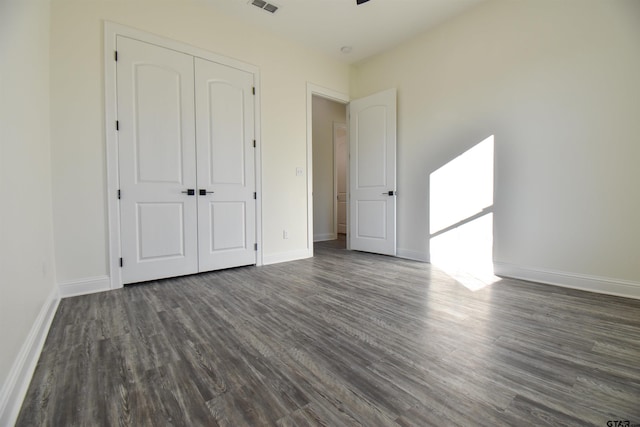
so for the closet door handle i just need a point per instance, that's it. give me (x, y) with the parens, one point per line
(190, 192)
(204, 192)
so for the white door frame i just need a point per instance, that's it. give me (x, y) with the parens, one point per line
(323, 92)
(111, 31)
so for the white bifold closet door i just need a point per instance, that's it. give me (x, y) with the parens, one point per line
(186, 163)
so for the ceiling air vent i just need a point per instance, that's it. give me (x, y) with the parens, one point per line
(264, 5)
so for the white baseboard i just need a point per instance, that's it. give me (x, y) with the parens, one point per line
(85, 286)
(412, 255)
(15, 387)
(324, 237)
(603, 285)
(286, 256)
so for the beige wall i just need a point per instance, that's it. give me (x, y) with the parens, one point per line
(557, 83)
(26, 249)
(77, 94)
(325, 114)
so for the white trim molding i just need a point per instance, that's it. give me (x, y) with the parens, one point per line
(286, 257)
(15, 387)
(602, 285)
(324, 237)
(89, 285)
(412, 255)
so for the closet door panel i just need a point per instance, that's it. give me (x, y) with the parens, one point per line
(156, 157)
(226, 166)
(226, 121)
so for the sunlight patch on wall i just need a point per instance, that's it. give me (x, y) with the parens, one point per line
(461, 216)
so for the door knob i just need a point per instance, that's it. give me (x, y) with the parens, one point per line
(389, 193)
(190, 192)
(204, 192)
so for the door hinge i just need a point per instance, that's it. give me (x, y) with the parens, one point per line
(119, 195)
(255, 195)
(254, 143)
(121, 262)
(253, 89)
(255, 246)
(116, 56)
(117, 125)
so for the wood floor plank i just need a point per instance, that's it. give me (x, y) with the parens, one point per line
(341, 339)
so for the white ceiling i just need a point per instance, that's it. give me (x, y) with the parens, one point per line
(327, 25)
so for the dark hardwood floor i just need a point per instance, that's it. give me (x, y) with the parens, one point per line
(342, 339)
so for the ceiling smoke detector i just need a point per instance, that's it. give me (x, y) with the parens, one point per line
(269, 7)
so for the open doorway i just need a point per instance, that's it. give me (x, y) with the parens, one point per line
(340, 162)
(329, 166)
(371, 175)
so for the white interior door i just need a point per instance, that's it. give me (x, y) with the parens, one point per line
(372, 172)
(156, 150)
(226, 166)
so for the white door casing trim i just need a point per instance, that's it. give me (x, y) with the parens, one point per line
(313, 89)
(111, 31)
